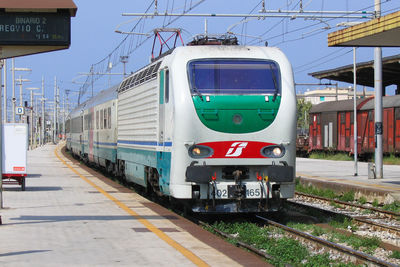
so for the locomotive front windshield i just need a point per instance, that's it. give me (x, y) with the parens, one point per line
(234, 76)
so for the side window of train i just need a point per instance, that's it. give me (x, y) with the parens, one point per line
(91, 120)
(166, 86)
(109, 118)
(97, 119)
(101, 119)
(85, 119)
(105, 118)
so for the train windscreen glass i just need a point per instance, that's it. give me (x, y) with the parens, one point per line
(232, 76)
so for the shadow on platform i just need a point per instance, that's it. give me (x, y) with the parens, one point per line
(33, 188)
(22, 252)
(50, 219)
(33, 175)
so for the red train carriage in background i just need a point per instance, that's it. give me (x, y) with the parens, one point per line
(331, 126)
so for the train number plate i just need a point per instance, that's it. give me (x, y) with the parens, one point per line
(228, 191)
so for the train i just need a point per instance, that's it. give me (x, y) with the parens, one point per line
(212, 127)
(332, 126)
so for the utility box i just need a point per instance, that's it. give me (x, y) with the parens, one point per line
(15, 146)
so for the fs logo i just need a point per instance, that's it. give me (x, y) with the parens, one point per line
(236, 149)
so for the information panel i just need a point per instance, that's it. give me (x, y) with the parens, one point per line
(35, 29)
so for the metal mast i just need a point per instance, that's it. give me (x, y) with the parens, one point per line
(355, 112)
(378, 103)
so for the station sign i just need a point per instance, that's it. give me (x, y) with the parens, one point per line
(35, 29)
(19, 110)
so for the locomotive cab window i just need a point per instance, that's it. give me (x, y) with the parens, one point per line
(97, 120)
(234, 76)
(166, 86)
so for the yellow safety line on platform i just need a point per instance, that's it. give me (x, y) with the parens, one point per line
(185, 252)
(354, 182)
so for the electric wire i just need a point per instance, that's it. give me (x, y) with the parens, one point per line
(98, 68)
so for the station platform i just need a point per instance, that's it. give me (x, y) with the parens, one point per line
(339, 176)
(70, 215)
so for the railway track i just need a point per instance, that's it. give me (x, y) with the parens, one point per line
(315, 242)
(381, 219)
(381, 212)
(358, 256)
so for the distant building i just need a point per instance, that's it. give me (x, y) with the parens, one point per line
(332, 94)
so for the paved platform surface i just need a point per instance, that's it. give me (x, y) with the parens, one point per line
(64, 220)
(342, 172)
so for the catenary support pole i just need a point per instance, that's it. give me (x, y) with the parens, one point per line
(355, 112)
(5, 91)
(13, 89)
(378, 104)
(1, 149)
(43, 120)
(55, 108)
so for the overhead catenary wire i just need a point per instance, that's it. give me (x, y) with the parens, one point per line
(102, 65)
(131, 43)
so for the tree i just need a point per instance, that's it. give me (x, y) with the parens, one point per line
(303, 109)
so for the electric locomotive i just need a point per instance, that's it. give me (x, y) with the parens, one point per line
(212, 127)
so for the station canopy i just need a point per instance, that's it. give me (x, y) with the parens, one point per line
(379, 32)
(365, 72)
(52, 6)
(34, 26)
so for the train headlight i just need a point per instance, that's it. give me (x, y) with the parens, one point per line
(273, 151)
(200, 151)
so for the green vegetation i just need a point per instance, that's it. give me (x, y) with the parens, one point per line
(331, 156)
(395, 255)
(303, 109)
(347, 196)
(362, 200)
(343, 223)
(328, 193)
(391, 160)
(335, 205)
(366, 244)
(395, 207)
(285, 250)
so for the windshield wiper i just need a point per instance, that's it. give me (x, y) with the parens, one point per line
(275, 84)
(195, 90)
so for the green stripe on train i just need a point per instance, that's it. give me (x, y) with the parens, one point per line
(236, 113)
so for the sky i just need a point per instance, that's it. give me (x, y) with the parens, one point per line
(93, 39)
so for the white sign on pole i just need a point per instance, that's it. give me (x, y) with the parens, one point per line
(20, 110)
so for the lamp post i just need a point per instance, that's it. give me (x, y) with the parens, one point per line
(13, 69)
(31, 120)
(5, 91)
(20, 80)
(355, 112)
(35, 115)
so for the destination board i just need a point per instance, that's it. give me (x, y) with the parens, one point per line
(35, 29)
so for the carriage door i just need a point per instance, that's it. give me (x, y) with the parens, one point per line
(164, 98)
